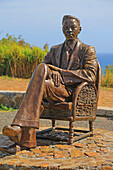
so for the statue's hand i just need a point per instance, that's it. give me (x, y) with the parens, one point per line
(57, 79)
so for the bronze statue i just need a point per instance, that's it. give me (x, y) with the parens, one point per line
(64, 67)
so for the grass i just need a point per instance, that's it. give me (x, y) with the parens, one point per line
(106, 88)
(6, 109)
(13, 78)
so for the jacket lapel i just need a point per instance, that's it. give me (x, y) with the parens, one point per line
(74, 55)
(58, 54)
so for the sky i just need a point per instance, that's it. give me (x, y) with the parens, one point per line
(40, 21)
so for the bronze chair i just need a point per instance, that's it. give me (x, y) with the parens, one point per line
(82, 108)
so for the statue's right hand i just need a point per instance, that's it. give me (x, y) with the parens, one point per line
(57, 79)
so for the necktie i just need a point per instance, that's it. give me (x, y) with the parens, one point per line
(68, 53)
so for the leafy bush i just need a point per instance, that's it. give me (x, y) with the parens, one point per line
(5, 108)
(17, 58)
(107, 77)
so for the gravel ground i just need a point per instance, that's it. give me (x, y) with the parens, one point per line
(101, 122)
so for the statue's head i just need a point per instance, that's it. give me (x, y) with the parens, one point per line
(71, 27)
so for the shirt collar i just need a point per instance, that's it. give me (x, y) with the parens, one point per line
(71, 46)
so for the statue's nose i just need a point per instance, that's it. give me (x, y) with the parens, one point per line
(70, 29)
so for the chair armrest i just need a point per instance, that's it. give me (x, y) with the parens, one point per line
(84, 102)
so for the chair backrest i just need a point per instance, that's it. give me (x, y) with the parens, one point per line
(98, 80)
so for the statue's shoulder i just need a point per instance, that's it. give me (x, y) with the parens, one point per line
(86, 47)
(56, 46)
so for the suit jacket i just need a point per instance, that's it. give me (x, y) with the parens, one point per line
(81, 67)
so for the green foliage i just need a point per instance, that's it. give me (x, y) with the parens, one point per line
(18, 58)
(107, 77)
(5, 108)
(46, 47)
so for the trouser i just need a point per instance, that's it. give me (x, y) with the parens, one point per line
(41, 86)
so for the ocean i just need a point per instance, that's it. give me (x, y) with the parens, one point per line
(105, 59)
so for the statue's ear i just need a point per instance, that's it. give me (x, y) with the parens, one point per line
(80, 29)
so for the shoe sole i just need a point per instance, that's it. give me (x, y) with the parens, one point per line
(12, 149)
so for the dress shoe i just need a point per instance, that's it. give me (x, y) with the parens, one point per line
(12, 149)
(11, 131)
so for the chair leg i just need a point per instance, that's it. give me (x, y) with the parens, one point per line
(91, 127)
(71, 131)
(53, 124)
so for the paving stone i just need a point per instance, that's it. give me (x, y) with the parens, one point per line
(94, 150)
(36, 151)
(92, 163)
(111, 145)
(80, 145)
(104, 150)
(12, 162)
(99, 157)
(82, 149)
(27, 153)
(106, 168)
(41, 155)
(61, 154)
(85, 159)
(91, 154)
(107, 163)
(82, 165)
(88, 141)
(91, 145)
(22, 162)
(32, 164)
(65, 167)
(22, 152)
(108, 139)
(46, 156)
(67, 147)
(1, 163)
(101, 162)
(46, 149)
(68, 164)
(74, 153)
(53, 167)
(43, 147)
(44, 165)
(101, 142)
(101, 145)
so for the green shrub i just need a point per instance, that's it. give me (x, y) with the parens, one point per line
(107, 77)
(5, 108)
(17, 58)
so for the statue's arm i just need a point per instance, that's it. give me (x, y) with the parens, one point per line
(48, 61)
(47, 58)
(87, 73)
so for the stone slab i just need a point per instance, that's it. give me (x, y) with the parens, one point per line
(14, 99)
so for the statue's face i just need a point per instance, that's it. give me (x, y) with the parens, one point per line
(71, 29)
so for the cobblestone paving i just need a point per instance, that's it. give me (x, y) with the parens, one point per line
(89, 153)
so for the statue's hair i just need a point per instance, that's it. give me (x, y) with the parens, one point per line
(70, 17)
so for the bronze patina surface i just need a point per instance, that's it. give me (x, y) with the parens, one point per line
(55, 80)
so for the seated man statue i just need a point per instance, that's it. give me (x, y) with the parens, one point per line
(64, 67)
